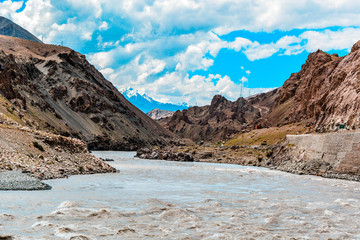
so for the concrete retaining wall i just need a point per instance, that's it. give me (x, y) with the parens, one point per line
(330, 155)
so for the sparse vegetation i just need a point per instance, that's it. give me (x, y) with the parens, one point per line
(270, 136)
(38, 146)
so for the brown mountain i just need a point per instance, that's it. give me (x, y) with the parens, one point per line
(62, 92)
(324, 92)
(216, 121)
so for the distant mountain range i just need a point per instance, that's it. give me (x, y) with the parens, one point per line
(9, 28)
(146, 103)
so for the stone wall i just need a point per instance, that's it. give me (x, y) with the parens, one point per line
(335, 155)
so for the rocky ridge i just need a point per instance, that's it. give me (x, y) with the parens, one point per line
(219, 120)
(324, 93)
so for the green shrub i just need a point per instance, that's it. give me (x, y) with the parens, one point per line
(38, 146)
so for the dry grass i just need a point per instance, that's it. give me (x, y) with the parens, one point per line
(272, 135)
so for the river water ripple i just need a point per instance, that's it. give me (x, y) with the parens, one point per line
(152, 199)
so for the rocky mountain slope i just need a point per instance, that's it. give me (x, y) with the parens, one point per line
(61, 92)
(324, 96)
(216, 121)
(157, 114)
(324, 92)
(9, 28)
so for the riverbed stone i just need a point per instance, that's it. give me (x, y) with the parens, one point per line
(16, 180)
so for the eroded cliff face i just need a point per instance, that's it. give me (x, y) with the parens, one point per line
(217, 121)
(63, 93)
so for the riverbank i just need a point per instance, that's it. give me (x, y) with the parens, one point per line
(330, 155)
(45, 155)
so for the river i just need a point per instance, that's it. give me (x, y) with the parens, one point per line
(152, 199)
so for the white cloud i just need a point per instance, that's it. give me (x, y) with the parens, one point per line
(107, 72)
(9, 7)
(37, 17)
(244, 80)
(88, 8)
(329, 40)
(258, 51)
(310, 41)
(102, 59)
(160, 41)
(104, 26)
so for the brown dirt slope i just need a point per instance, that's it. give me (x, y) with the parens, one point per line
(60, 91)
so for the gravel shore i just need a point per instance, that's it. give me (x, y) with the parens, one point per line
(15, 180)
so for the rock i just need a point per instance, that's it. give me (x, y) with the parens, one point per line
(7, 237)
(205, 155)
(169, 154)
(107, 159)
(188, 157)
(154, 155)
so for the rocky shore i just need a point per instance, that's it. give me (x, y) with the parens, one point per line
(255, 155)
(45, 155)
(330, 155)
(168, 153)
(15, 180)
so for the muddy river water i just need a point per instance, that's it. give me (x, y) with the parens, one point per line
(152, 199)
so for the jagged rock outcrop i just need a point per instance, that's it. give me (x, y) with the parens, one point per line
(63, 93)
(157, 114)
(216, 121)
(325, 92)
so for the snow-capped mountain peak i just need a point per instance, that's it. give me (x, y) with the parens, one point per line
(145, 103)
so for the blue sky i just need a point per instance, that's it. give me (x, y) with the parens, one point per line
(188, 51)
